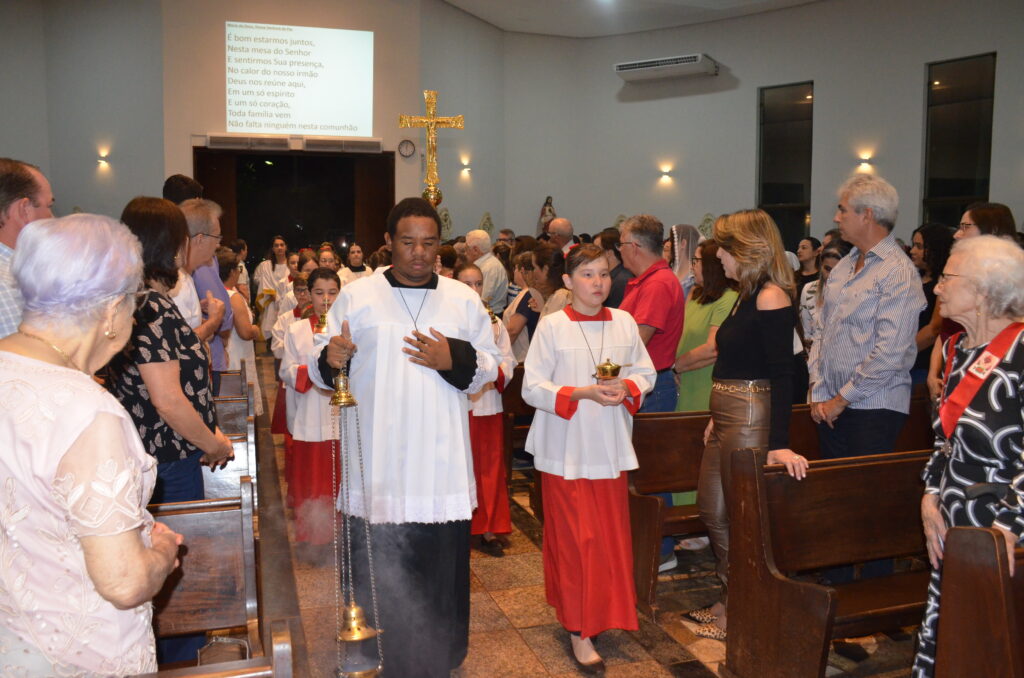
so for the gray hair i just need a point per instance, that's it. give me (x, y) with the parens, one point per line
(648, 232)
(866, 191)
(60, 289)
(200, 214)
(997, 269)
(479, 239)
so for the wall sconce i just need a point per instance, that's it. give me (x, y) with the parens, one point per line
(466, 169)
(865, 166)
(666, 173)
(103, 161)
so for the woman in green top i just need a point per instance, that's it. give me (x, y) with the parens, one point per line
(707, 307)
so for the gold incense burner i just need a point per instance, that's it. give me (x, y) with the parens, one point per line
(608, 370)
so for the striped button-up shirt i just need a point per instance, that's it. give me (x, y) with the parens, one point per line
(865, 331)
(10, 296)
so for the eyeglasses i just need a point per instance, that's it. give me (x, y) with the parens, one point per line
(619, 245)
(964, 225)
(944, 277)
(694, 261)
(209, 235)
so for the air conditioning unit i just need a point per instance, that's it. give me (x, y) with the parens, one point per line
(668, 67)
(343, 144)
(264, 142)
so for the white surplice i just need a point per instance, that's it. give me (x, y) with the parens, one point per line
(583, 439)
(414, 424)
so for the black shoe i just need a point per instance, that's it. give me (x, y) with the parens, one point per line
(491, 547)
(852, 651)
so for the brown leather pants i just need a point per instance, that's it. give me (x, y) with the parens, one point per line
(741, 421)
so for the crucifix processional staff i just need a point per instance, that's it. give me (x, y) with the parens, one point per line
(431, 121)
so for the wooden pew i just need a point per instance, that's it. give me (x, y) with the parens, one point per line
(981, 613)
(215, 587)
(669, 448)
(280, 663)
(233, 410)
(844, 511)
(232, 383)
(224, 482)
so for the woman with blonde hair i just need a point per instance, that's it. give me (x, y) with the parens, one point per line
(752, 381)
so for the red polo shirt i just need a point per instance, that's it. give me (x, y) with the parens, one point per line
(655, 298)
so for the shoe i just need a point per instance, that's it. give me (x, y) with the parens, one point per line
(491, 547)
(694, 543)
(709, 631)
(852, 651)
(668, 562)
(521, 464)
(701, 616)
(592, 669)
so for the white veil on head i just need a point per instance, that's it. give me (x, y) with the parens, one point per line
(688, 237)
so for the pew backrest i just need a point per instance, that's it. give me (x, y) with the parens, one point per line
(981, 611)
(669, 447)
(215, 587)
(845, 510)
(232, 383)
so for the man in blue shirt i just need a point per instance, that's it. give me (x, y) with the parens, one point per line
(860, 365)
(203, 217)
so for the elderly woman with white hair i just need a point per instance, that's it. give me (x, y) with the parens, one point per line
(977, 431)
(82, 556)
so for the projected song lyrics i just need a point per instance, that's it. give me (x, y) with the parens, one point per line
(299, 80)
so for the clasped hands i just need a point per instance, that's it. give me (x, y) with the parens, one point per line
(607, 392)
(828, 411)
(427, 350)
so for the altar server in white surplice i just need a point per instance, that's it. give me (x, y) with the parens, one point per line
(581, 442)
(415, 345)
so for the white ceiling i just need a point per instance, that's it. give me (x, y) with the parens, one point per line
(597, 18)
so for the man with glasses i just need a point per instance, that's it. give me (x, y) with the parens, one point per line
(25, 195)
(655, 300)
(203, 217)
(507, 236)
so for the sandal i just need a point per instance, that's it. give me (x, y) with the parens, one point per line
(703, 615)
(709, 631)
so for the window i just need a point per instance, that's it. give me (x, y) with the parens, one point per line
(784, 162)
(958, 147)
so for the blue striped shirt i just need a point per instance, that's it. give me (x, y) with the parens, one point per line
(866, 328)
(11, 302)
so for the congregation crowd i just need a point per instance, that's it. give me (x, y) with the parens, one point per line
(110, 360)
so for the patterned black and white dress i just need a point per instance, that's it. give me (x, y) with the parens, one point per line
(160, 334)
(987, 447)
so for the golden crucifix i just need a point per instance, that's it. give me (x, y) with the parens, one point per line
(431, 121)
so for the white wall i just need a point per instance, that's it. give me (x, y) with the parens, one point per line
(193, 55)
(103, 63)
(23, 132)
(574, 130)
(463, 59)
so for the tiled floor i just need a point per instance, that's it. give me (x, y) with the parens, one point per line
(514, 633)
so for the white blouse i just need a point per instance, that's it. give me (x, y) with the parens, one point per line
(50, 612)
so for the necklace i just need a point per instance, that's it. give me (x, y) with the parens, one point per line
(415, 318)
(579, 323)
(67, 359)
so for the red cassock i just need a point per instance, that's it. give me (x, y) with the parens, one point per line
(308, 466)
(588, 553)
(487, 437)
(314, 491)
